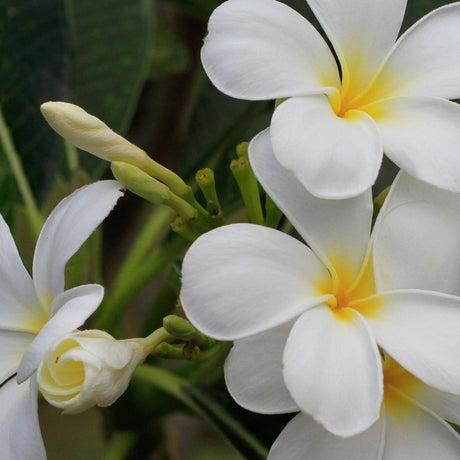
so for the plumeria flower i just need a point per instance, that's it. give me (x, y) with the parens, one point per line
(386, 97)
(88, 368)
(307, 321)
(410, 426)
(34, 312)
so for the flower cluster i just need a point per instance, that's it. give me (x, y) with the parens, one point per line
(357, 327)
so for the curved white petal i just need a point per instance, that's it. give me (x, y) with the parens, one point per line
(407, 189)
(333, 157)
(418, 247)
(304, 439)
(19, 306)
(20, 437)
(414, 432)
(65, 230)
(77, 305)
(421, 136)
(332, 368)
(445, 405)
(362, 32)
(262, 49)
(242, 279)
(337, 230)
(420, 329)
(425, 60)
(254, 372)
(12, 347)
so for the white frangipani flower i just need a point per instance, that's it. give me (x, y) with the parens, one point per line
(306, 322)
(88, 368)
(34, 312)
(391, 97)
(410, 426)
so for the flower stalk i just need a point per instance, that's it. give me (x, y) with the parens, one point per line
(249, 189)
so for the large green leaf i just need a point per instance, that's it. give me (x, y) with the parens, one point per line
(92, 53)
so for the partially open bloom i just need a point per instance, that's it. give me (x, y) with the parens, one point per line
(387, 97)
(34, 312)
(88, 368)
(410, 426)
(306, 321)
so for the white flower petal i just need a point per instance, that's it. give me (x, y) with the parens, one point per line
(254, 372)
(420, 330)
(418, 247)
(421, 136)
(336, 230)
(425, 61)
(19, 306)
(332, 368)
(77, 305)
(333, 157)
(304, 439)
(413, 432)
(242, 279)
(12, 347)
(66, 229)
(406, 189)
(262, 49)
(362, 32)
(20, 437)
(445, 405)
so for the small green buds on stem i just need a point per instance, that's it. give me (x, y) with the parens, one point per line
(184, 330)
(247, 183)
(206, 182)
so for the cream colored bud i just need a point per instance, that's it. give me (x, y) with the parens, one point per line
(88, 133)
(88, 368)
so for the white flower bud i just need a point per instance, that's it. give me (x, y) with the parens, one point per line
(88, 133)
(88, 368)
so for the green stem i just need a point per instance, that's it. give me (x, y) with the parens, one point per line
(247, 183)
(33, 214)
(72, 156)
(273, 214)
(184, 392)
(119, 445)
(112, 309)
(151, 234)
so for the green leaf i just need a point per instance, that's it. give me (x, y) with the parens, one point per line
(95, 54)
(203, 403)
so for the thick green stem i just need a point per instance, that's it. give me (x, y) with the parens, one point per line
(113, 308)
(247, 183)
(33, 214)
(72, 156)
(119, 445)
(151, 234)
(186, 393)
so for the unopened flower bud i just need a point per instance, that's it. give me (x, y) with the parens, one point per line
(88, 368)
(88, 133)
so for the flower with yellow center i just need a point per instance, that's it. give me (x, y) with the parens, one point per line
(307, 321)
(410, 426)
(88, 368)
(389, 96)
(34, 312)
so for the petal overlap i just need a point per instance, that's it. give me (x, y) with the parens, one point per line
(336, 230)
(332, 369)
(254, 372)
(323, 150)
(236, 277)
